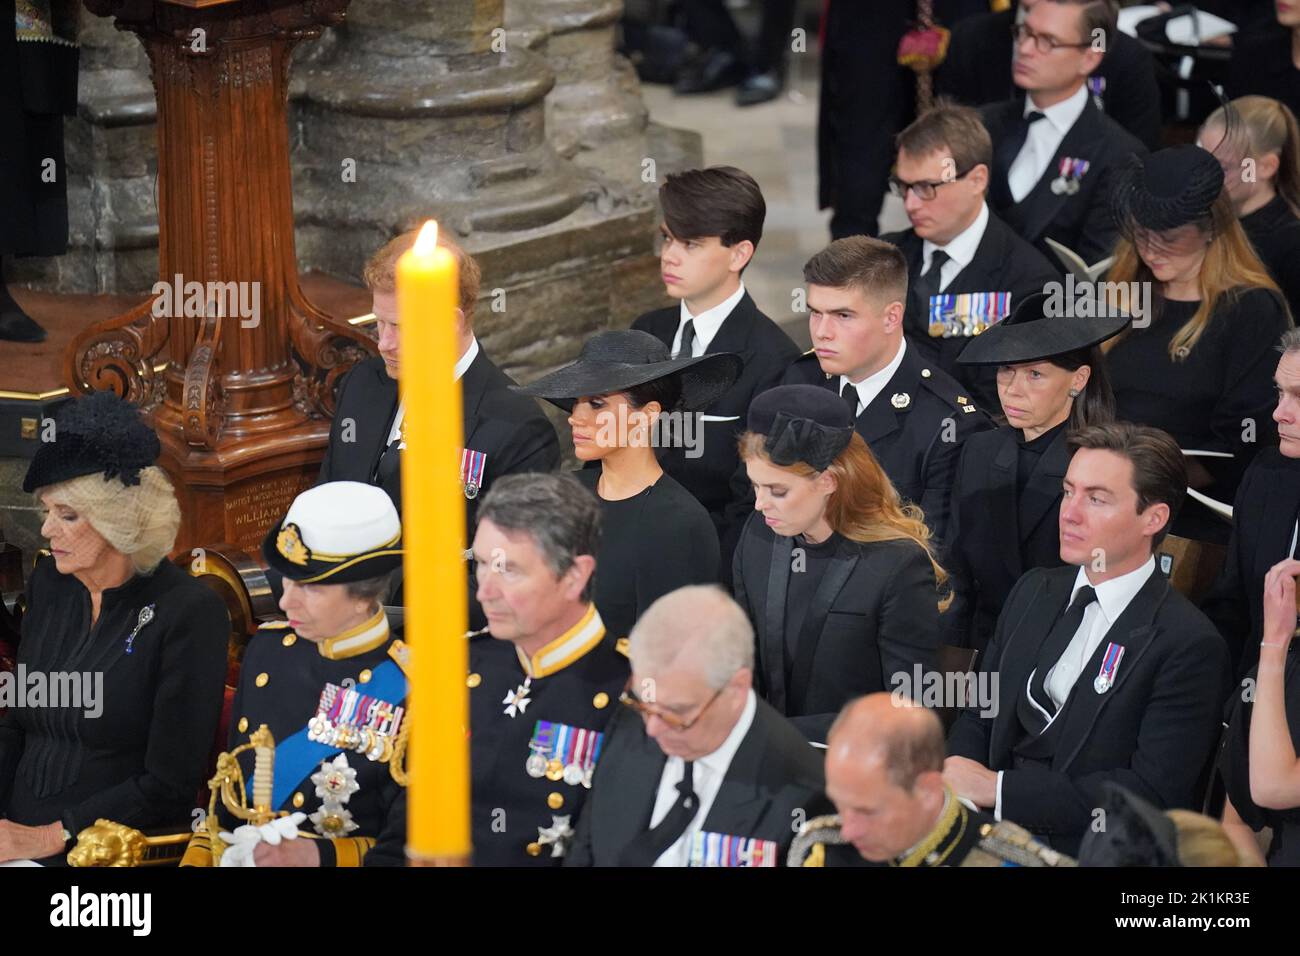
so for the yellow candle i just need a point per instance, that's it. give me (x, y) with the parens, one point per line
(433, 508)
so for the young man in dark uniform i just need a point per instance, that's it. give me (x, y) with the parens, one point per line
(966, 268)
(1054, 152)
(912, 415)
(713, 221)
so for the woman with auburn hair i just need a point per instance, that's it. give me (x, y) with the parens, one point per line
(833, 570)
(1200, 364)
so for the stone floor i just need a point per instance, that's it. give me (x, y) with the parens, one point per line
(776, 143)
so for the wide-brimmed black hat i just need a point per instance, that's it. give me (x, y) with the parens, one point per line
(618, 360)
(1166, 189)
(97, 434)
(334, 533)
(1034, 332)
(801, 423)
(1136, 833)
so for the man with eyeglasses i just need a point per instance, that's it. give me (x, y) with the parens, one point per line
(966, 268)
(1055, 153)
(696, 770)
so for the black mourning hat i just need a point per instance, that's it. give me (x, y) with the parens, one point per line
(618, 360)
(1036, 331)
(801, 423)
(1135, 833)
(1167, 189)
(98, 433)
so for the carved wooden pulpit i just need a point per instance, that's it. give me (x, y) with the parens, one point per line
(241, 400)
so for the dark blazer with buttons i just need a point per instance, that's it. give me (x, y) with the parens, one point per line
(917, 436)
(774, 782)
(1003, 262)
(716, 478)
(874, 615)
(1153, 731)
(993, 522)
(1083, 221)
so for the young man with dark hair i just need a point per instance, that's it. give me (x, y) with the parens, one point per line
(1103, 671)
(712, 223)
(1054, 152)
(966, 268)
(912, 415)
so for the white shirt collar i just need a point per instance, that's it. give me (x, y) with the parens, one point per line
(873, 385)
(465, 361)
(1114, 596)
(708, 322)
(961, 250)
(1064, 114)
(719, 761)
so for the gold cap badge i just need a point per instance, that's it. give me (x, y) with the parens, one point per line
(289, 543)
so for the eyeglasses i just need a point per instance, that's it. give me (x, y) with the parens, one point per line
(1045, 44)
(926, 189)
(629, 699)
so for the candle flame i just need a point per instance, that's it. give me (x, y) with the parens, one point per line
(427, 240)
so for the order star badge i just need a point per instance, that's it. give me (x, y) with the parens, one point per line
(557, 834)
(517, 700)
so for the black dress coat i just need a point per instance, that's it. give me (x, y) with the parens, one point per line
(1003, 263)
(1262, 65)
(918, 443)
(774, 777)
(998, 530)
(1154, 731)
(1274, 231)
(874, 616)
(1082, 221)
(142, 760)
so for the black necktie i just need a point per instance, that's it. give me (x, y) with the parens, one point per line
(650, 845)
(1058, 639)
(1006, 154)
(688, 339)
(929, 282)
(850, 395)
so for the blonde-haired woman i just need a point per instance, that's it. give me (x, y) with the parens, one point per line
(1257, 142)
(146, 643)
(835, 573)
(1200, 364)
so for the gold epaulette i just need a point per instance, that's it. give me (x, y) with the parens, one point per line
(621, 645)
(808, 847)
(272, 625)
(400, 652)
(1016, 845)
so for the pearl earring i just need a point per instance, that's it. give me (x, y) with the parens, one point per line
(1074, 393)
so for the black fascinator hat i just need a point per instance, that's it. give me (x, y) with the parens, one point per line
(1166, 189)
(98, 433)
(801, 423)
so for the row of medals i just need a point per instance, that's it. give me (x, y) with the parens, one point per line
(539, 766)
(374, 745)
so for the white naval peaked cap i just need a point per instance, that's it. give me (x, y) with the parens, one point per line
(345, 518)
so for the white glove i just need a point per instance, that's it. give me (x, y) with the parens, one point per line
(245, 839)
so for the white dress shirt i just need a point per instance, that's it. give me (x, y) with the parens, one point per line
(961, 250)
(707, 322)
(706, 779)
(873, 385)
(1099, 617)
(462, 366)
(1043, 141)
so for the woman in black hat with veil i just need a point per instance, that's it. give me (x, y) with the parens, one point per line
(625, 397)
(1007, 493)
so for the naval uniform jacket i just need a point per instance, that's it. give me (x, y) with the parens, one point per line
(143, 758)
(1152, 731)
(998, 530)
(874, 615)
(1082, 221)
(518, 819)
(1003, 262)
(774, 780)
(280, 685)
(915, 427)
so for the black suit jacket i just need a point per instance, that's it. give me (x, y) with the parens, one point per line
(1003, 263)
(874, 616)
(1263, 521)
(977, 70)
(1153, 731)
(1082, 221)
(774, 780)
(716, 478)
(918, 443)
(998, 532)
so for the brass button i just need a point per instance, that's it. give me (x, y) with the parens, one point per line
(364, 676)
(534, 849)
(298, 800)
(473, 680)
(243, 724)
(600, 701)
(262, 679)
(288, 640)
(555, 801)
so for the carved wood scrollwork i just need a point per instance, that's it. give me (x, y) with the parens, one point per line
(326, 350)
(204, 398)
(119, 356)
